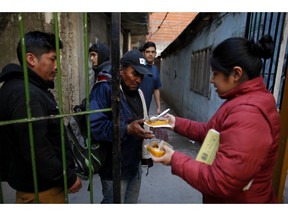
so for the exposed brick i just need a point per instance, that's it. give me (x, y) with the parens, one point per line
(174, 23)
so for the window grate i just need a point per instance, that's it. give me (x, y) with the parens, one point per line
(259, 24)
(200, 72)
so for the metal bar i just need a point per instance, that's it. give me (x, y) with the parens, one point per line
(269, 32)
(270, 23)
(248, 23)
(271, 61)
(27, 95)
(87, 91)
(33, 119)
(254, 25)
(115, 35)
(278, 39)
(259, 26)
(264, 27)
(264, 62)
(264, 22)
(59, 86)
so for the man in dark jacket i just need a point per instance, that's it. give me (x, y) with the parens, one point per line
(99, 54)
(131, 130)
(16, 156)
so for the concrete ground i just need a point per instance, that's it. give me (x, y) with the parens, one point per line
(160, 186)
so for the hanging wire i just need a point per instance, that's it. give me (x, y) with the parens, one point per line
(158, 26)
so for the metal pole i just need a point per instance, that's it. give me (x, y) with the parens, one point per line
(87, 92)
(115, 44)
(59, 86)
(29, 115)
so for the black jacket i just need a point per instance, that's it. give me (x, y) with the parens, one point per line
(16, 165)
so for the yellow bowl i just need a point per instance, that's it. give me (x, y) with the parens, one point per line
(157, 123)
(155, 149)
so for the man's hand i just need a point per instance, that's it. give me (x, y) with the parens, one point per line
(76, 187)
(135, 128)
(158, 111)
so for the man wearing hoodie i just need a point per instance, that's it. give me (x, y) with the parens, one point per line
(16, 158)
(99, 54)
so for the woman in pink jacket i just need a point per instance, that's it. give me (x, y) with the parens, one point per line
(249, 127)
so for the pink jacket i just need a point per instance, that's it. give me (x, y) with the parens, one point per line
(249, 127)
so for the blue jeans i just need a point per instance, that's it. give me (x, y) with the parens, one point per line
(130, 189)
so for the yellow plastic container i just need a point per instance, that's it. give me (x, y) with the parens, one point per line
(155, 147)
(209, 147)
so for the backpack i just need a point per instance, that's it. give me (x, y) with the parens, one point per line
(77, 135)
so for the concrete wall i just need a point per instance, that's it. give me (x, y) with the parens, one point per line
(175, 69)
(71, 26)
(99, 28)
(10, 32)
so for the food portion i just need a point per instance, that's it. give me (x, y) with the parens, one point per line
(156, 148)
(158, 123)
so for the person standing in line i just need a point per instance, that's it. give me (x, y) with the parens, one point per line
(99, 54)
(15, 146)
(249, 127)
(151, 84)
(132, 133)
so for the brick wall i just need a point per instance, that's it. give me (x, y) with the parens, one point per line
(173, 23)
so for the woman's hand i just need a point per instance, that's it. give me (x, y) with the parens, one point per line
(166, 158)
(76, 187)
(171, 120)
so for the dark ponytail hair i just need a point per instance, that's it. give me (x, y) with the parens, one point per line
(242, 52)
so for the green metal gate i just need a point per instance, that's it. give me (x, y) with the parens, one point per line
(115, 104)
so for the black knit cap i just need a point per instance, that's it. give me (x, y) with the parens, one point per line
(136, 59)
